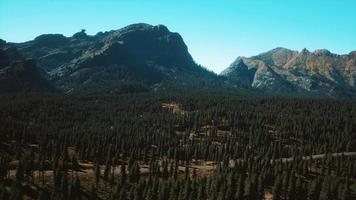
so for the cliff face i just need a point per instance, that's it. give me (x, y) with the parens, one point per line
(284, 71)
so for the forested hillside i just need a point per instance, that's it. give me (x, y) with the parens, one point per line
(191, 145)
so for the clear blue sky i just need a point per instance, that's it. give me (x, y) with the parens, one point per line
(216, 32)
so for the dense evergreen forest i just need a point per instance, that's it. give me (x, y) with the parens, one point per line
(175, 146)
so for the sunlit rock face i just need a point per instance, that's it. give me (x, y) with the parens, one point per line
(319, 73)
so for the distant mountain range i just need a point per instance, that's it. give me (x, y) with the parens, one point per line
(155, 58)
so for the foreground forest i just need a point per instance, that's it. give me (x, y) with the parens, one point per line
(190, 145)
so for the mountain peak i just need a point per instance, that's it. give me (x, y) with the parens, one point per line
(320, 72)
(138, 52)
(279, 49)
(322, 52)
(51, 40)
(80, 35)
(143, 27)
(241, 64)
(305, 51)
(278, 56)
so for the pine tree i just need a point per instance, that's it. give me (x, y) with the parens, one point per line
(93, 193)
(134, 172)
(176, 169)
(186, 170)
(174, 191)
(123, 195)
(194, 188)
(107, 169)
(153, 192)
(299, 190)
(64, 187)
(277, 188)
(186, 190)
(16, 191)
(123, 176)
(44, 195)
(97, 173)
(314, 189)
(74, 192)
(132, 192)
(240, 187)
(291, 188)
(165, 172)
(3, 192)
(20, 172)
(139, 189)
(344, 192)
(201, 190)
(260, 187)
(164, 192)
(325, 189)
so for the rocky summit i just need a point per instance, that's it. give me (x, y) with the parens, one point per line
(284, 71)
(139, 52)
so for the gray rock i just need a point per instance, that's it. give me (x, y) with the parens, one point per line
(284, 71)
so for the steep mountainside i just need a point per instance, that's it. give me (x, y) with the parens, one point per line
(20, 75)
(318, 73)
(139, 52)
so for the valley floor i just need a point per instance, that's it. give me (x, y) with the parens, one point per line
(177, 146)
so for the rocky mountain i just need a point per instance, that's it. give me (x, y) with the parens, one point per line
(18, 74)
(284, 71)
(144, 57)
(139, 52)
